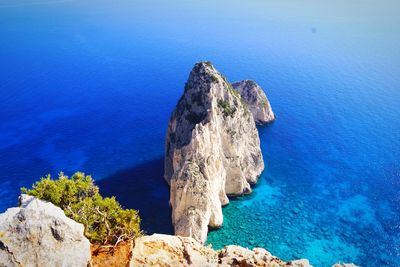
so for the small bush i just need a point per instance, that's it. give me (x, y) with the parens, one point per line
(227, 110)
(105, 221)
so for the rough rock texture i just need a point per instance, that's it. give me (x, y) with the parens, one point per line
(212, 150)
(239, 256)
(118, 256)
(256, 99)
(166, 250)
(39, 234)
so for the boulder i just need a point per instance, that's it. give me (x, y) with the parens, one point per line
(39, 234)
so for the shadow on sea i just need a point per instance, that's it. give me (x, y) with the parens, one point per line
(142, 187)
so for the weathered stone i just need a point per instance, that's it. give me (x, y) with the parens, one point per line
(239, 256)
(166, 250)
(212, 150)
(117, 256)
(256, 99)
(39, 234)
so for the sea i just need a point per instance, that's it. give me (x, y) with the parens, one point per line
(89, 85)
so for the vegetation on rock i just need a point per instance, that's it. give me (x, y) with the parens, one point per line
(226, 108)
(105, 221)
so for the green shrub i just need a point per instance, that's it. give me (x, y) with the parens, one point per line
(105, 221)
(227, 110)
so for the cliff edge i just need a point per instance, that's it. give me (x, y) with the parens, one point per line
(39, 234)
(166, 250)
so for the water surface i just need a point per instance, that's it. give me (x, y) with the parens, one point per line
(89, 85)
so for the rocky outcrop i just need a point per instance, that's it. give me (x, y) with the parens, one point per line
(256, 99)
(166, 250)
(239, 256)
(212, 150)
(112, 256)
(39, 234)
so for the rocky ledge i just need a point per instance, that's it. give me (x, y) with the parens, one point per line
(166, 250)
(212, 151)
(39, 234)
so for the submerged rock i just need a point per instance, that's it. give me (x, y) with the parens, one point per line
(166, 250)
(256, 99)
(39, 234)
(212, 150)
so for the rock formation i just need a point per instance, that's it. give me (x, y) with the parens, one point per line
(212, 150)
(166, 250)
(39, 234)
(256, 99)
(169, 250)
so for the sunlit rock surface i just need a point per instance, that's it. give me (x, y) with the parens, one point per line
(212, 150)
(167, 250)
(39, 234)
(256, 99)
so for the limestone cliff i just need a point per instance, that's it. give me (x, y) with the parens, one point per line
(256, 99)
(39, 234)
(212, 150)
(166, 250)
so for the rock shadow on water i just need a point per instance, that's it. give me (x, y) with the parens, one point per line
(142, 187)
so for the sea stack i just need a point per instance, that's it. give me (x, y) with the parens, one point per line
(256, 99)
(212, 150)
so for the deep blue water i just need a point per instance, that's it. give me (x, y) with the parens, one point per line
(89, 85)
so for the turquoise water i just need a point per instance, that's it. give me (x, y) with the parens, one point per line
(90, 85)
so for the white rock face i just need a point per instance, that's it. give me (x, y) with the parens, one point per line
(256, 99)
(39, 234)
(166, 250)
(212, 150)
